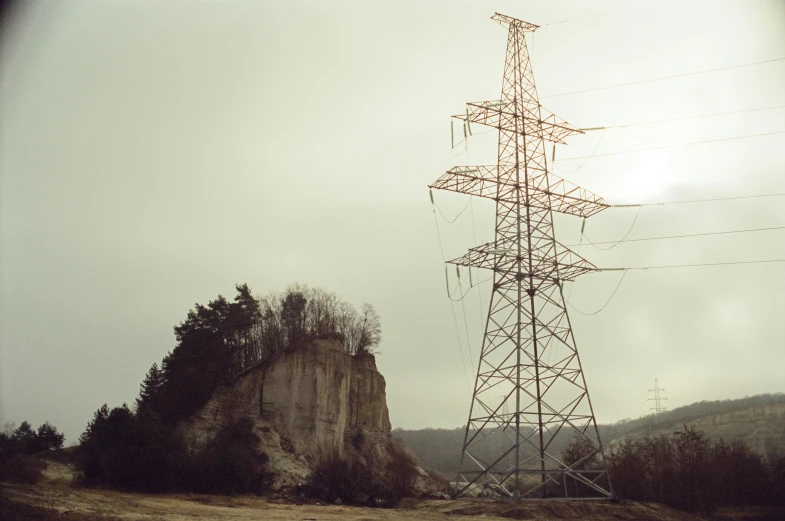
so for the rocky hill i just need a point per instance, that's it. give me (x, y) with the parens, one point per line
(304, 403)
(759, 421)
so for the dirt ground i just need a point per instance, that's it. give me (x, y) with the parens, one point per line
(56, 498)
(105, 504)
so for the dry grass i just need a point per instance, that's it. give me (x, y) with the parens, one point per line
(95, 504)
(52, 498)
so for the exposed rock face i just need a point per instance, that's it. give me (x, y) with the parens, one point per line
(301, 403)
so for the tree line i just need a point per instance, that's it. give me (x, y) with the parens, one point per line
(684, 469)
(688, 470)
(19, 444)
(27, 440)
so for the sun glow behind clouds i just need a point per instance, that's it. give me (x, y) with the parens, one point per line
(648, 178)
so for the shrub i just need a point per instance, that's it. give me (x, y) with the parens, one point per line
(230, 464)
(337, 476)
(131, 451)
(400, 476)
(370, 476)
(22, 468)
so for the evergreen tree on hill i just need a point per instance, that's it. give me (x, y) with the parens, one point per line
(48, 438)
(152, 388)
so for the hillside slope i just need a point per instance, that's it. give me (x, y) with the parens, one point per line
(759, 421)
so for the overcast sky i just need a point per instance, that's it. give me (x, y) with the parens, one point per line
(155, 153)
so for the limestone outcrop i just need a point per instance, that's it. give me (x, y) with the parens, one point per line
(302, 403)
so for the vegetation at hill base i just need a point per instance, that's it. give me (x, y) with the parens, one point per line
(689, 471)
(685, 469)
(439, 448)
(361, 477)
(18, 445)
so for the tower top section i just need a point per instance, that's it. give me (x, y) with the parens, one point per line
(510, 21)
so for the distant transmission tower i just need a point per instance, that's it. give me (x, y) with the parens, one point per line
(528, 354)
(658, 398)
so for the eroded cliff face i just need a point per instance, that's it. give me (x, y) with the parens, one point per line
(300, 404)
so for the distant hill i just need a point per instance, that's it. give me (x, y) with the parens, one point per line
(758, 420)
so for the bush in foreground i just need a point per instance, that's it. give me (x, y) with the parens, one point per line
(230, 465)
(22, 468)
(371, 474)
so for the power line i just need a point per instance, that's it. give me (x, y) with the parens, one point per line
(642, 268)
(641, 123)
(709, 200)
(662, 78)
(623, 238)
(686, 235)
(717, 199)
(456, 217)
(674, 146)
(594, 151)
(767, 261)
(615, 12)
(452, 308)
(587, 159)
(465, 321)
(606, 302)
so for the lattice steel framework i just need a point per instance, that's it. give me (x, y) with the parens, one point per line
(530, 393)
(657, 398)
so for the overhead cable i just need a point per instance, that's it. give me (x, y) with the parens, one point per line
(606, 302)
(662, 78)
(690, 201)
(772, 228)
(641, 268)
(674, 146)
(641, 123)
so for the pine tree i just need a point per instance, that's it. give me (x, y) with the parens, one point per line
(48, 438)
(151, 389)
(25, 438)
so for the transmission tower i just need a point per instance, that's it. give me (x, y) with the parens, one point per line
(528, 354)
(658, 398)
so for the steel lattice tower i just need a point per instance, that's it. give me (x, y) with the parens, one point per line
(658, 398)
(528, 363)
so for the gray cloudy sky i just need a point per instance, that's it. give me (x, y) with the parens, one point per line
(155, 153)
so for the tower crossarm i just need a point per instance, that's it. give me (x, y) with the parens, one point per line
(550, 191)
(509, 20)
(571, 199)
(551, 261)
(501, 115)
(481, 181)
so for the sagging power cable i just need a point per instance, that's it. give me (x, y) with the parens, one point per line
(663, 78)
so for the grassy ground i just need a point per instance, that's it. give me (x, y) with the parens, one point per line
(95, 504)
(55, 498)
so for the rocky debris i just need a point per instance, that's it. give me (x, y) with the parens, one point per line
(490, 490)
